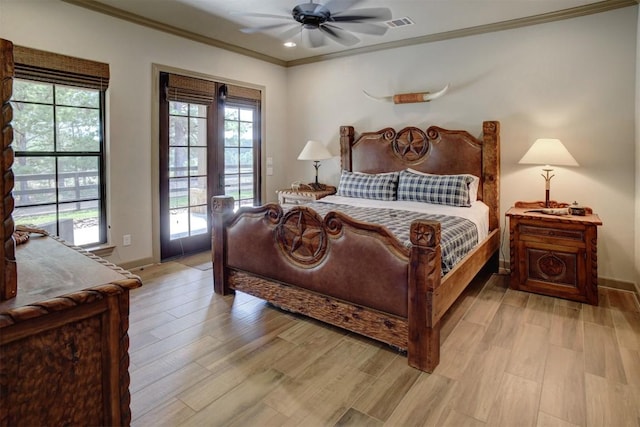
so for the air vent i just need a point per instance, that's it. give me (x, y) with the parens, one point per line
(400, 22)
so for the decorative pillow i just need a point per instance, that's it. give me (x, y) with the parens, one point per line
(473, 186)
(368, 186)
(452, 190)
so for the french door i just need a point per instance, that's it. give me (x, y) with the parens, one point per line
(209, 145)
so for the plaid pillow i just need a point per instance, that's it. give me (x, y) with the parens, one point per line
(368, 186)
(473, 187)
(450, 190)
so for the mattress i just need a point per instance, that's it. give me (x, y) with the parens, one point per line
(462, 228)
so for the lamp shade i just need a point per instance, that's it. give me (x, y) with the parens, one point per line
(314, 150)
(547, 151)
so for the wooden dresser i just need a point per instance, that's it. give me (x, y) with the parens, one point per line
(63, 339)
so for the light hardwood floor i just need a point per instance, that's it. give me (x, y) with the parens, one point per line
(508, 358)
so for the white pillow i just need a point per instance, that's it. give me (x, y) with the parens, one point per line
(473, 186)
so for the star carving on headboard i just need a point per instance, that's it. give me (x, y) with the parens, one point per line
(411, 144)
(301, 236)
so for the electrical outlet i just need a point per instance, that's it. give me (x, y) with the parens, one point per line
(126, 240)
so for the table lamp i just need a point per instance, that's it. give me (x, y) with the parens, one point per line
(316, 151)
(548, 152)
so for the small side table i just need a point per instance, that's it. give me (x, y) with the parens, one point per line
(289, 197)
(554, 255)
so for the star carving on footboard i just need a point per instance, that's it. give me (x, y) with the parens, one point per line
(301, 236)
(424, 235)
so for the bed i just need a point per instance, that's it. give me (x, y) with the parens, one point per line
(357, 274)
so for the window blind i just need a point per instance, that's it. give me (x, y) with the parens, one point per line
(49, 67)
(189, 89)
(243, 92)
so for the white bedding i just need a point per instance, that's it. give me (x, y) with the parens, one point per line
(478, 213)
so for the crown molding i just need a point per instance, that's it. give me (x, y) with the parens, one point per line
(156, 25)
(589, 9)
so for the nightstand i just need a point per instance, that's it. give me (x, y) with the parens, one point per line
(554, 255)
(289, 197)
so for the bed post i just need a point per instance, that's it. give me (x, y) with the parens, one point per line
(346, 141)
(222, 209)
(491, 171)
(423, 344)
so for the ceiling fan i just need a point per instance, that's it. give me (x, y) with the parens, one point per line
(335, 19)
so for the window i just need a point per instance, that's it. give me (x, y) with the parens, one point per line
(58, 122)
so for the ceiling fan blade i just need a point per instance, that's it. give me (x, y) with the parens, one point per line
(339, 6)
(316, 38)
(339, 35)
(253, 30)
(364, 28)
(261, 15)
(370, 14)
(292, 32)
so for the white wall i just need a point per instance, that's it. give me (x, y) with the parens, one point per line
(130, 50)
(570, 80)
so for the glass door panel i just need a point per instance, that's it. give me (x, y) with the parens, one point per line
(186, 176)
(240, 160)
(187, 169)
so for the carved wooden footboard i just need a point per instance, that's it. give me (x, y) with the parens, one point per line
(310, 266)
(353, 274)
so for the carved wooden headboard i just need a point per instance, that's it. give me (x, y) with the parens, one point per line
(436, 150)
(8, 277)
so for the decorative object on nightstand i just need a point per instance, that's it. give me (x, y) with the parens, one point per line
(290, 197)
(548, 152)
(554, 255)
(316, 151)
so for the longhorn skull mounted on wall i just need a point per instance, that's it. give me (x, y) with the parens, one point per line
(408, 98)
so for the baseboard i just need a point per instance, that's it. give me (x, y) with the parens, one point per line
(132, 265)
(617, 284)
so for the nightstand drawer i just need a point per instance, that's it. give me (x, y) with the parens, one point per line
(551, 232)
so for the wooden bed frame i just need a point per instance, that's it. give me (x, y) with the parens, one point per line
(356, 275)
